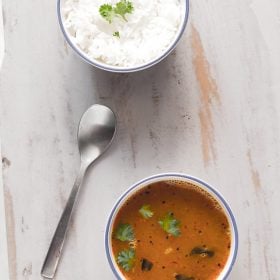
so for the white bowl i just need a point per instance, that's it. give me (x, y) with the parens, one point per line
(117, 69)
(168, 177)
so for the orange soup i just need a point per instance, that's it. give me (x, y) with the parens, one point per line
(171, 230)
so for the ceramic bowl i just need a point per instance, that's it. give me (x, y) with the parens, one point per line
(177, 177)
(117, 69)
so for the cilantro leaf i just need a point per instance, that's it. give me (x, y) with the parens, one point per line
(124, 232)
(116, 34)
(123, 7)
(146, 211)
(126, 259)
(170, 225)
(109, 12)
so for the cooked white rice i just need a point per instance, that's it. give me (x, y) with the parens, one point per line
(149, 31)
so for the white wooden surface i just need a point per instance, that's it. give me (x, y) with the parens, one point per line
(211, 109)
(3, 234)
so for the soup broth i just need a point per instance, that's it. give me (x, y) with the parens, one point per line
(171, 230)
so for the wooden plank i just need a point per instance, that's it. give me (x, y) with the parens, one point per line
(3, 234)
(1, 35)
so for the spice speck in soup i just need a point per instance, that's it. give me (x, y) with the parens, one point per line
(171, 230)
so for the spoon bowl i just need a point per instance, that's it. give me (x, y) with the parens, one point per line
(95, 137)
(96, 132)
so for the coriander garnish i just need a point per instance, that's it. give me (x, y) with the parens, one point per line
(146, 211)
(126, 259)
(124, 232)
(109, 12)
(116, 34)
(170, 225)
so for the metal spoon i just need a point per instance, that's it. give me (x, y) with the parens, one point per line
(96, 132)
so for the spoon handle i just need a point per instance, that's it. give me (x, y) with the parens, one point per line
(55, 249)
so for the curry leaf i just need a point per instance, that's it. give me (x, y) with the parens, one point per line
(183, 277)
(170, 225)
(146, 265)
(126, 259)
(202, 252)
(124, 232)
(146, 211)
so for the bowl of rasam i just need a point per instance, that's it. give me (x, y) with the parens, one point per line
(123, 35)
(171, 226)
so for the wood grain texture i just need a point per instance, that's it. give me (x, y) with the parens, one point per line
(211, 109)
(4, 269)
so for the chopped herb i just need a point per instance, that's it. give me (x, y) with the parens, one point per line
(183, 277)
(146, 211)
(203, 252)
(123, 7)
(124, 232)
(116, 34)
(170, 224)
(109, 12)
(146, 265)
(126, 259)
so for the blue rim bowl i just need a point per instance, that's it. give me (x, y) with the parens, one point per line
(117, 69)
(167, 177)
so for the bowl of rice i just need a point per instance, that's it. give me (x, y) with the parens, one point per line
(123, 35)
